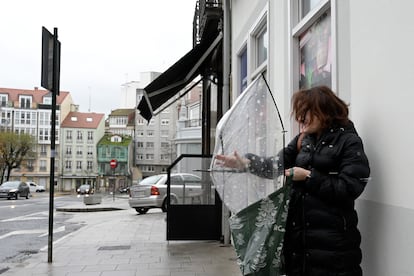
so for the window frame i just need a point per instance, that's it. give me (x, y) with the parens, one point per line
(300, 25)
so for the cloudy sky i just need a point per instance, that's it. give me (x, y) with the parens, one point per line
(105, 43)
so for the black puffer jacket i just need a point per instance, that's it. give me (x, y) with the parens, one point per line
(321, 233)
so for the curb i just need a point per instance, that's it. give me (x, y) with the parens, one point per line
(96, 209)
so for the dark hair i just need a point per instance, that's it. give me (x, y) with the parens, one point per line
(321, 102)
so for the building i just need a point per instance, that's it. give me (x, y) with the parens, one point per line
(188, 136)
(116, 149)
(121, 122)
(80, 135)
(365, 59)
(29, 111)
(154, 140)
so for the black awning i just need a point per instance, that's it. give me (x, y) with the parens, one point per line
(169, 83)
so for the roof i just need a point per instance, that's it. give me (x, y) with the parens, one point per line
(82, 120)
(122, 112)
(37, 94)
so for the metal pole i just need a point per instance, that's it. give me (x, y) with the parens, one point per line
(55, 90)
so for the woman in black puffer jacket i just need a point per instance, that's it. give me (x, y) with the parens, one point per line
(329, 170)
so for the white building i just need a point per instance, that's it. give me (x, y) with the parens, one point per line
(364, 50)
(81, 133)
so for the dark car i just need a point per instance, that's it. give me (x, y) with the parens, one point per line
(14, 189)
(124, 190)
(85, 189)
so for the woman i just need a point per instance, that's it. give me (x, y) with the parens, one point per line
(329, 170)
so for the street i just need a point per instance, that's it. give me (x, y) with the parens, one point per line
(24, 225)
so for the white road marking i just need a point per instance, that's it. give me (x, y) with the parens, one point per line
(28, 217)
(60, 229)
(44, 232)
(22, 232)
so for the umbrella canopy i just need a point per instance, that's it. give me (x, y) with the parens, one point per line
(253, 127)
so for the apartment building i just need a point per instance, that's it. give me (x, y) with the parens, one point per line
(29, 111)
(81, 133)
(121, 122)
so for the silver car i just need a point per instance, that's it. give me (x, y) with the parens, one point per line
(151, 192)
(14, 189)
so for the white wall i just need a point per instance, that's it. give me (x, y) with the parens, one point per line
(381, 70)
(375, 64)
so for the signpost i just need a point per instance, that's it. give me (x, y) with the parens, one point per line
(113, 163)
(50, 81)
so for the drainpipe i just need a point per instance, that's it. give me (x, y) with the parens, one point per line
(226, 96)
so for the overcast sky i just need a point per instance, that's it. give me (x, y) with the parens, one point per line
(105, 43)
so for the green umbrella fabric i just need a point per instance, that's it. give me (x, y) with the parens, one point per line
(258, 232)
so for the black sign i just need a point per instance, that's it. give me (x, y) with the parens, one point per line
(50, 61)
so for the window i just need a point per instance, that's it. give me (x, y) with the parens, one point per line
(165, 145)
(315, 54)
(43, 134)
(165, 122)
(164, 133)
(68, 150)
(243, 70)
(3, 100)
(43, 150)
(140, 133)
(140, 157)
(140, 144)
(148, 168)
(68, 164)
(262, 44)
(90, 151)
(47, 100)
(140, 121)
(150, 144)
(150, 133)
(307, 6)
(42, 165)
(89, 165)
(79, 165)
(79, 150)
(79, 136)
(149, 156)
(69, 135)
(90, 135)
(25, 101)
(164, 157)
(313, 48)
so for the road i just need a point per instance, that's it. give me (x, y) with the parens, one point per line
(24, 225)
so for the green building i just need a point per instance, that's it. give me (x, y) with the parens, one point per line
(118, 150)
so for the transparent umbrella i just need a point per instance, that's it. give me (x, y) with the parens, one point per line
(253, 127)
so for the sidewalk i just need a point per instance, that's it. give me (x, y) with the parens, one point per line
(121, 242)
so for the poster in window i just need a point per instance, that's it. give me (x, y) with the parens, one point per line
(316, 54)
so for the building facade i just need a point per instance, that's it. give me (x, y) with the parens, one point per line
(118, 150)
(29, 111)
(365, 59)
(80, 135)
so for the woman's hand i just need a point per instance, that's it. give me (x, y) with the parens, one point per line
(232, 161)
(298, 173)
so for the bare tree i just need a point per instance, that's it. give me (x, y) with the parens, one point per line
(13, 150)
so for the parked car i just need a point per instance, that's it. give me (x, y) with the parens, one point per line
(14, 189)
(35, 188)
(151, 192)
(85, 189)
